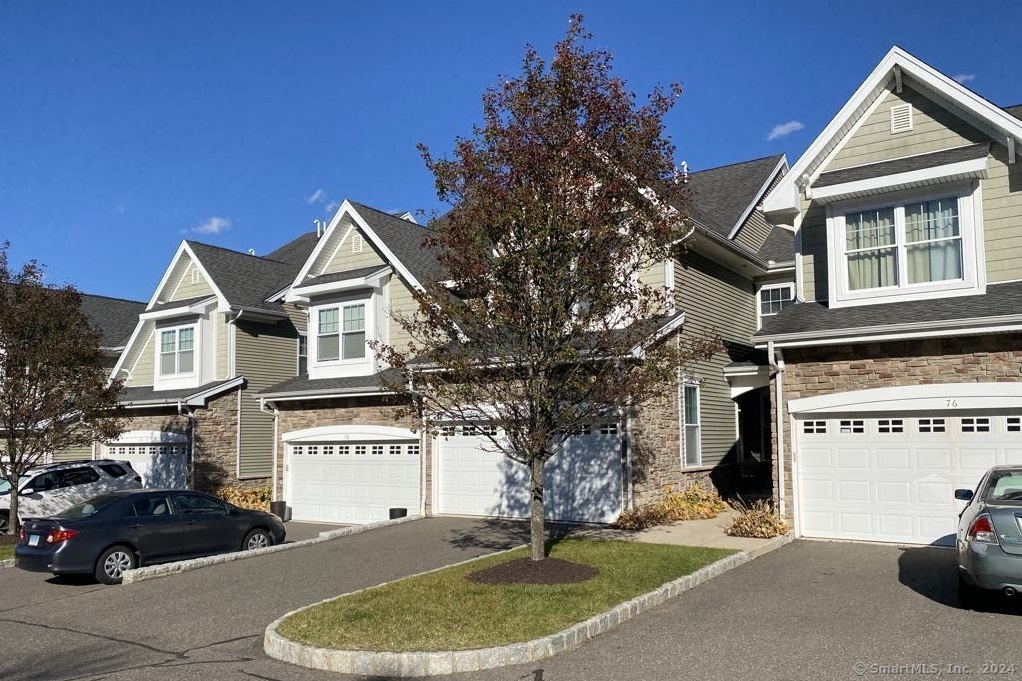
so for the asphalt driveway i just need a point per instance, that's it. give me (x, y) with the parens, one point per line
(810, 610)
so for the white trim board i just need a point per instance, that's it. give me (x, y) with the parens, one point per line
(947, 397)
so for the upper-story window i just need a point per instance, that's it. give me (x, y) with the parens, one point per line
(341, 332)
(917, 245)
(177, 351)
(775, 297)
(303, 354)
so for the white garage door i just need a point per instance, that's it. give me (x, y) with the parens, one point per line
(161, 466)
(582, 483)
(892, 478)
(352, 482)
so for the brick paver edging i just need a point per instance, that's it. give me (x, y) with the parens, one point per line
(412, 664)
(155, 571)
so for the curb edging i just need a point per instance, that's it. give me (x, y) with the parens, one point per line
(6, 563)
(417, 664)
(167, 569)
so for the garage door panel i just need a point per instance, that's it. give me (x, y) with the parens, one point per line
(894, 486)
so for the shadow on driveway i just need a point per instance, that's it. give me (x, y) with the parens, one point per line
(932, 571)
(496, 534)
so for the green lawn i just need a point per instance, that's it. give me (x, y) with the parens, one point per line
(6, 551)
(445, 611)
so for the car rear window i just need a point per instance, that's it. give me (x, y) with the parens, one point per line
(113, 470)
(1005, 487)
(148, 506)
(78, 476)
(90, 507)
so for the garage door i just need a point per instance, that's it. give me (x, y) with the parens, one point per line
(352, 481)
(161, 466)
(887, 477)
(582, 483)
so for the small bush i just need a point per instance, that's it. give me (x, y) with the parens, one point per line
(254, 498)
(691, 503)
(756, 520)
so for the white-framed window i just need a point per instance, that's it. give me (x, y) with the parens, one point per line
(814, 427)
(932, 426)
(303, 353)
(979, 424)
(775, 297)
(1014, 424)
(176, 350)
(852, 427)
(891, 425)
(341, 332)
(693, 426)
(909, 244)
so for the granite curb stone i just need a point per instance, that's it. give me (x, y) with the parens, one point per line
(416, 664)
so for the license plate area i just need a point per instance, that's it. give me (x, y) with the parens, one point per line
(33, 539)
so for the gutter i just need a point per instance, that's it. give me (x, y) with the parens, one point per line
(189, 413)
(276, 414)
(869, 333)
(323, 394)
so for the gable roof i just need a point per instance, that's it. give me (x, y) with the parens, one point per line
(896, 68)
(296, 251)
(246, 281)
(404, 239)
(721, 198)
(114, 318)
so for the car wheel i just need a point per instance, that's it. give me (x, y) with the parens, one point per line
(256, 539)
(968, 595)
(113, 563)
(5, 522)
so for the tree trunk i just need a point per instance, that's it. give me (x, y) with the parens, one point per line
(12, 520)
(536, 529)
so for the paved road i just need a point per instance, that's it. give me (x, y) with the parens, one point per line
(806, 611)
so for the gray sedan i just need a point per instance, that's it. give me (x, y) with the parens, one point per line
(990, 535)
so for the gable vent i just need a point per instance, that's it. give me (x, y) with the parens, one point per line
(901, 118)
(195, 274)
(356, 243)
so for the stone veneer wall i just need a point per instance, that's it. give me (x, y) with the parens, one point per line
(302, 414)
(828, 369)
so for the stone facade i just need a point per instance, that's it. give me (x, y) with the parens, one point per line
(831, 369)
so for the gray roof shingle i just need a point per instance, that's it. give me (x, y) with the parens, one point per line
(718, 197)
(245, 280)
(341, 276)
(1015, 111)
(404, 239)
(778, 247)
(114, 318)
(809, 318)
(186, 302)
(146, 395)
(306, 385)
(296, 251)
(904, 165)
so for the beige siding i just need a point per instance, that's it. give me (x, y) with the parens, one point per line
(402, 302)
(223, 346)
(1002, 217)
(715, 301)
(181, 286)
(142, 372)
(338, 258)
(73, 453)
(299, 316)
(933, 129)
(814, 251)
(265, 355)
(654, 275)
(755, 230)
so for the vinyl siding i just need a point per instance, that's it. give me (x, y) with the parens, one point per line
(755, 230)
(223, 346)
(142, 372)
(654, 275)
(299, 316)
(399, 300)
(265, 355)
(339, 257)
(1002, 217)
(73, 453)
(715, 300)
(933, 128)
(181, 284)
(814, 251)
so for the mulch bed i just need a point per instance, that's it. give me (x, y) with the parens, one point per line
(528, 571)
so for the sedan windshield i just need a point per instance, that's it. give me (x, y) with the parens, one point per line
(5, 487)
(90, 507)
(1005, 487)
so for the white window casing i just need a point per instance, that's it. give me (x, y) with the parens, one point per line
(178, 356)
(772, 298)
(693, 426)
(338, 336)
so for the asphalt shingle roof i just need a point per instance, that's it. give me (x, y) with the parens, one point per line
(404, 239)
(303, 384)
(341, 276)
(147, 395)
(245, 280)
(779, 246)
(296, 251)
(904, 165)
(115, 318)
(999, 300)
(1015, 111)
(718, 197)
(186, 302)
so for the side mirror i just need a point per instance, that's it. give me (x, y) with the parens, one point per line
(25, 492)
(964, 494)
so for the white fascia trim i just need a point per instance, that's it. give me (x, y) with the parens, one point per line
(930, 397)
(184, 248)
(639, 351)
(756, 370)
(322, 395)
(387, 253)
(199, 399)
(352, 432)
(784, 197)
(369, 281)
(950, 172)
(989, 325)
(124, 355)
(195, 309)
(279, 295)
(149, 437)
(757, 199)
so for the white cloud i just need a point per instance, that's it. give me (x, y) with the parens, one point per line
(332, 206)
(783, 130)
(317, 197)
(964, 78)
(213, 225)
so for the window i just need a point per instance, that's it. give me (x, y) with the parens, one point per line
(303, 354)
(341, 333)
(1014, 424)
(412, 450)
(976, 425)
(932, 426)
(360, 450)
(693, 450)
(856, 426)
(313, 450)
(395, 450)
(192, 504)
(773, 299)
(814, 427)
(343, 450)
(891, 426)
(177, 351)
(608, 429)
(149, 506)
(377, 450)
(328, 450)
(113, 470)
(297, 450)
(448, 431)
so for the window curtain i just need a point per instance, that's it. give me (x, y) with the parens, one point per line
(872, 253)
(934, 243)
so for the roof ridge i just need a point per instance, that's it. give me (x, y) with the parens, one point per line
(389, 215)
(100, 295)
(231, 250)
(738, 163)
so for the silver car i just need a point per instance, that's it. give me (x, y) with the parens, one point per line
(990, 535)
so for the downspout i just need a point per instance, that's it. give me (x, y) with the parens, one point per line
(777, 364)
(275, 412)
(189, 413)
(423, 443)
(626, 414)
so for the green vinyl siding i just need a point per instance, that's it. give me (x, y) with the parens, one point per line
(265, 355)
(933, 129)
(181, 285)
(223, 346)
(399, 300)
(755, 230)
(140, 370)
(73, 454)
(338, 254)
(1002, 217)
(715, 301)
(814, 251)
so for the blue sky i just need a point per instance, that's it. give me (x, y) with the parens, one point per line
(127, 126)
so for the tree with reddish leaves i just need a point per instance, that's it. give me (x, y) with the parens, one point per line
(54, 391)
(545, 324)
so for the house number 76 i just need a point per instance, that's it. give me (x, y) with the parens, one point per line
(952, 403)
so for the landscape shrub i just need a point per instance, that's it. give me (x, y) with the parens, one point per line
(690, 503)
(254, 498)
(757, 519)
